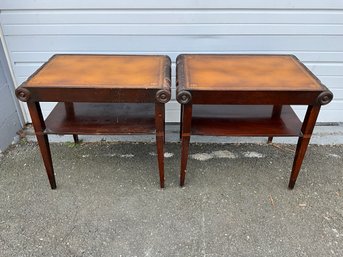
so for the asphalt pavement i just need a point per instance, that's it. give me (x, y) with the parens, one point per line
(108, 202)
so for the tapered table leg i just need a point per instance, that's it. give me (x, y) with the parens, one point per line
(71, 114)
(270, 140)
(275, 114)
(307, 129)
(43, 141)
(185, 137)
(76, 139)
(181, 119)
(160, 138)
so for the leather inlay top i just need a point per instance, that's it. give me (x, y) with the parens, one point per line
(100, 70)
(247, 72)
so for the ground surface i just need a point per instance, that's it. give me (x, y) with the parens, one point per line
(108, 202)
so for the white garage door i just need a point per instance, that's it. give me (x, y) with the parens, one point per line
(311, 29)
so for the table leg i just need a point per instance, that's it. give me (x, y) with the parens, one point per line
(270, 140)
(43, 141)
(186, 134)
(181, 118)
(306, 129)
(71, 113)
(275, 114)
(76, 139)
(160, 138)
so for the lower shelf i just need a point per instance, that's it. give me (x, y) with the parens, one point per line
(101, 118)
(244, 120)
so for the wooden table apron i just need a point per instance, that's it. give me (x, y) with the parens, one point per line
(190, 98)
(74, 96)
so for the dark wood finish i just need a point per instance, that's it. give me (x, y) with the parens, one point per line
(103, 95)
(117, 78)
(76, 139)
(248, 79)
(102, 118)
(238, 120)
(275, 115)
(70, 113)
(43, 141)
(229, 93)
(254, 97)
(160, 138)
(99, 94)
(186, 135)
(303, 141)
(181, 119)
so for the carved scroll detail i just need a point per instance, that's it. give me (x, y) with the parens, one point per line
(163, 95)
(183, 97)
(22, 94)
(324, 97)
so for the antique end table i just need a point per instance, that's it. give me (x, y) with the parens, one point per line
(247, 95)
(99, 94)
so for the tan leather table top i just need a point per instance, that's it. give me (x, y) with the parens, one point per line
(105, 71)
(247, 72)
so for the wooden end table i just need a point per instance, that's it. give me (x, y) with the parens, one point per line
(99, 94)
(247, 95)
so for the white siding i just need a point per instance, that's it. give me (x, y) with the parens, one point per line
(311, 29)
(9, 120)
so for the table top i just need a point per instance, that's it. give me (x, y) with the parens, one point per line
(101, 71)
(246, 72)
